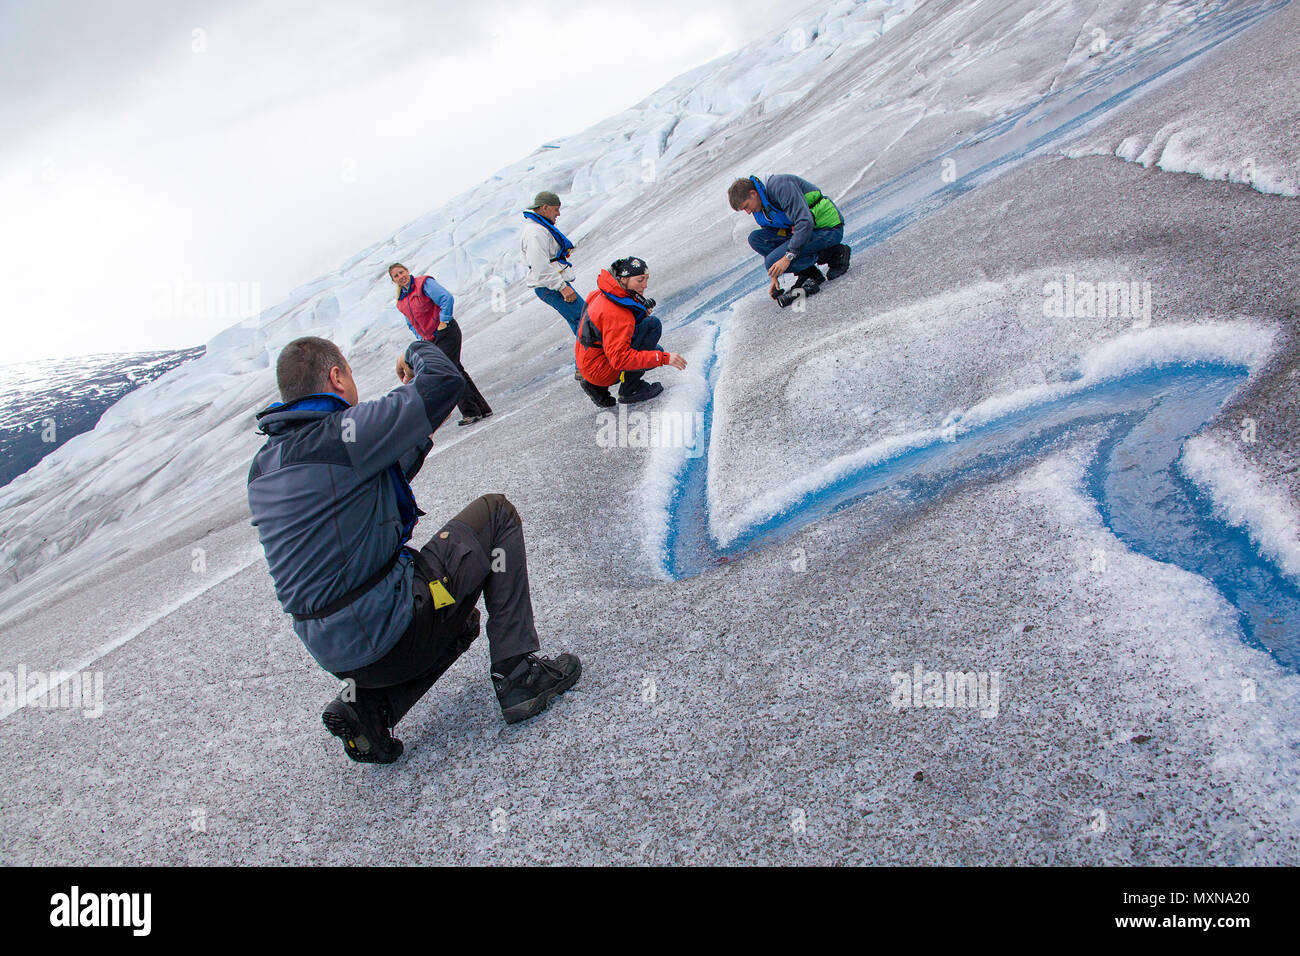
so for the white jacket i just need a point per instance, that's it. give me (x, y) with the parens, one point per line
(538, 246)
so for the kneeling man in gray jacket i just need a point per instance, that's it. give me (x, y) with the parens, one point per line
(331, 499)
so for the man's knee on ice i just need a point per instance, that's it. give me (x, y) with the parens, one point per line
(499, 502)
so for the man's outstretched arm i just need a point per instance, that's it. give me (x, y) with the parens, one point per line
(396, 428)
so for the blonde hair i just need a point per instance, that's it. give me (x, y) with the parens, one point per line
(397, 265)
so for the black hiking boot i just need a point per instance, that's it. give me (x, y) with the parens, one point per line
(839, 262)
(836, 259)
(809, 280)
(363, 730)
(597, 394)
(536, 681)
(471, 419)
(640, 392)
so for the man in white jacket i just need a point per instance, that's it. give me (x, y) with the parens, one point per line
(545, 252)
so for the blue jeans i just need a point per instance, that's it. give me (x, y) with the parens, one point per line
(646, 333)
(645, 338)
(570, 311)
(770, 244)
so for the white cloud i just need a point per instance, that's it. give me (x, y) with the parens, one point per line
(298, 135)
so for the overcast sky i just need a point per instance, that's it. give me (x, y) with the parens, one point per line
(146, 145)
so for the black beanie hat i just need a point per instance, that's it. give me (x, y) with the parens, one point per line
(626, 268)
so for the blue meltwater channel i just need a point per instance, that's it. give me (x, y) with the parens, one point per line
(1141, 493)
(1145, 416)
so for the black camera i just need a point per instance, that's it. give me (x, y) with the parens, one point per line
(785, 297)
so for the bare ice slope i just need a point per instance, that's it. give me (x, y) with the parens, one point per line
(747, 713)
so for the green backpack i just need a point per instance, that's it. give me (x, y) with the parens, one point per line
(824, 213)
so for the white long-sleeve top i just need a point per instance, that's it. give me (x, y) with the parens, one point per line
(538, 246)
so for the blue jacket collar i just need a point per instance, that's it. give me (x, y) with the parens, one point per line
(566, 246)
(307, 408)
(769, 215)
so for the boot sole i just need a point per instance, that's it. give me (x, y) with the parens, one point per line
(531, 708)
(347, 729)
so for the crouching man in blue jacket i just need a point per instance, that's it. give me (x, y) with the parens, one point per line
(331, 499)
(799, 228)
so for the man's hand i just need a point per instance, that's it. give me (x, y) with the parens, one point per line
(403, 370)
(676, 361)
(780, 266)
(568, 293)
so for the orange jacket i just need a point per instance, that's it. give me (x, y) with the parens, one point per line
(601, 364)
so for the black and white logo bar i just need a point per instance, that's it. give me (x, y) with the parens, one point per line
(102, 909)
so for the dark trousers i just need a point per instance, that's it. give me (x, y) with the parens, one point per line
(571, 312)
(478, 552)
(770, 244)
(645, 338)
(472, 403)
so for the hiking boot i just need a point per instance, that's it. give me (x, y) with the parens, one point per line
(809, 280)
(836, 259)
(534, 683)
(364, 731)
(640, 392)
(597, 394)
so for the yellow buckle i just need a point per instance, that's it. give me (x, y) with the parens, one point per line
(441, 596)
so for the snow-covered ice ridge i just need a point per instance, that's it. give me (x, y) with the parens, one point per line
(1178, 149)
(45, 403)
(1222, 127)
(1246, 499)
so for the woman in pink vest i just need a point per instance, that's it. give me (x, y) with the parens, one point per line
(427, 307)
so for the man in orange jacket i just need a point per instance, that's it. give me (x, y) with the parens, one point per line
(618, 339)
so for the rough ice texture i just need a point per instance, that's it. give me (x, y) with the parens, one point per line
(1236, 100)
(1237, 343)
(1220, 119)
(1244, 498)
(711, 709)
